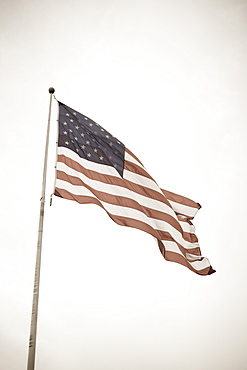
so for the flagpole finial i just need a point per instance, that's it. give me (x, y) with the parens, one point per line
(51, 90)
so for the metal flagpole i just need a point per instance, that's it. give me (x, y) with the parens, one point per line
(33, 327)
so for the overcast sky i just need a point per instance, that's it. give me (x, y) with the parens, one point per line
(168, 79)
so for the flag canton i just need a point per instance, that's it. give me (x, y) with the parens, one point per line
(88, 139)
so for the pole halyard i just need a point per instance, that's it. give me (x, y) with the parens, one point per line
(34, 316)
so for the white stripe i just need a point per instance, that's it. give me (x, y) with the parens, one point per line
(184, 210)
(76, 190)
(192, 257)
(200, 265)
(130, 213)
(188, 228)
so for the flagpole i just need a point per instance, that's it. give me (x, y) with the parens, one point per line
(34, 317)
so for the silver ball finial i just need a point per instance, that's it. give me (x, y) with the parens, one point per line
(51, 90)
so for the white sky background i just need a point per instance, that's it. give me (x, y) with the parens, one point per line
(168, 78)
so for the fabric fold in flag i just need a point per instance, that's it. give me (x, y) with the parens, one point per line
(95, 167)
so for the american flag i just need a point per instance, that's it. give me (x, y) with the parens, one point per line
(95, 167)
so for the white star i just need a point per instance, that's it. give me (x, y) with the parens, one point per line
(65, 123)
(66, 142)
(82, 134)
(77, 127)
(111, 144)
(90, 124)
(76, 138)
(101, 158)
(67, 114)
(102, 129)
(74, 113)
(71, 120)
(77, 149)
(107, 136)
(86, 118)
(83, 146)
(89, 155)
(110, 157)
(95, 150)
(88, 142)
(65, 133)
(70, 130)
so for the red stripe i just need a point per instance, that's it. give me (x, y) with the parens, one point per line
(180, 199)
(122, 201)
(128, 202)
(133, 155)
(130, 222)
(120, 220)
(109, 179)
(132, 167)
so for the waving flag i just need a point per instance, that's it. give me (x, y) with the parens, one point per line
(95, 167)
